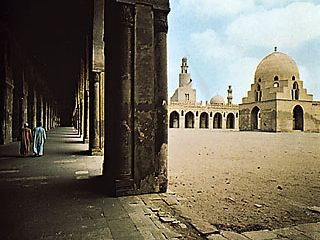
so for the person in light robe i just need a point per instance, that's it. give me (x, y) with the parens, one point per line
(26, 139)
(39, 139)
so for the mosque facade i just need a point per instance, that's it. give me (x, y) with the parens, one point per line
(185, 112)
(277, 100)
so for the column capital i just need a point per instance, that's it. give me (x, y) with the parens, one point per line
(127, 14)
(161, 21)
(96, 76)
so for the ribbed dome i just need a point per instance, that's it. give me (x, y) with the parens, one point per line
(275, 65)
(217, 100)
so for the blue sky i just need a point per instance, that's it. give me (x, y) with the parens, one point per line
(225, 40)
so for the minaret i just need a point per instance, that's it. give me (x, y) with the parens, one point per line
(229, 97)
(184, 76)
(184, 93)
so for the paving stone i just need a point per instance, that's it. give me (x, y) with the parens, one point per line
(171, 234)
(215, 237)
(167, 219)
(141, 220)
(158, 235)
(314, 209)
(170, 200)
(310, 227)
(260, 235)
(233, 235)
(102, 233)
(204, 227)
(291, 233)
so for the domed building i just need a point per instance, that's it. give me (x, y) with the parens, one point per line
(186, 112)
(277, 101)
(217, 100)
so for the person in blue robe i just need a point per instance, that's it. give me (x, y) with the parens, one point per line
(39, 139)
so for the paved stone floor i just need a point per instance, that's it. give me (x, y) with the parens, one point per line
(61, 196)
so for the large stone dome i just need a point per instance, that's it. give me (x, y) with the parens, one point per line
(277, 66)
(217, 100)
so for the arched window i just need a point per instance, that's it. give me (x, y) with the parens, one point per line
(204, 120)
(197, 113)
(217, 120)
(182, 113)
(174, 120)
(276, 78)
(259, 80)
(210, 114)
(298, 118)
(293, 78)
(295, 91)
(230, 121)
(189, 120)
(276, 84)
(258, 93)
(255, 119)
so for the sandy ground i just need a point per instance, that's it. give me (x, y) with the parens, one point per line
(246, 181)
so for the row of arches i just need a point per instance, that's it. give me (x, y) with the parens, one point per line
(297, 116)
(189, 120)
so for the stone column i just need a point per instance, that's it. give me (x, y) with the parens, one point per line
(33, 123)
(6, 94)
(41, 108)
(161, 95)
(24, 101)
(124, 171)
(136, 96)
(94, 144)
(102, 112)
(45, 117)
(86, 116)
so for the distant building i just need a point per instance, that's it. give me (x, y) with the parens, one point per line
(277, 101)
(186, 112)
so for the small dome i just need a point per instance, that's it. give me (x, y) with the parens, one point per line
(217, 100)
(276, 66)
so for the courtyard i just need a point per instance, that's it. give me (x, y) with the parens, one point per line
(244, 181)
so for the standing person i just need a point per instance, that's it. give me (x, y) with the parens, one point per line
(26, 138)
(39, 138)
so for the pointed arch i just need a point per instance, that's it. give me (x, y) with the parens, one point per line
(255, 118)
(189, 120)
(295, 91)
(230, 121)
(217, 120)
(298, 118)
(204, 120)
(174, 119)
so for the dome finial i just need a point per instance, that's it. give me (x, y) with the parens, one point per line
(275, 49)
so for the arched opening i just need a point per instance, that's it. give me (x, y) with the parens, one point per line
(189, 120)
(255, 119)
(204, 120)
(174, 120)
(298, 118)
(295, 91)
(217, 120)
(276, 78)
(230, 121)
(258, 93)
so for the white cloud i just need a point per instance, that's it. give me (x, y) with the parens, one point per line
(215, 8)
(288, 27)
(210, 45)
(268, 4)
(240, 75)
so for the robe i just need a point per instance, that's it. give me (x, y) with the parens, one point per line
(39, 138)
(26, 138)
